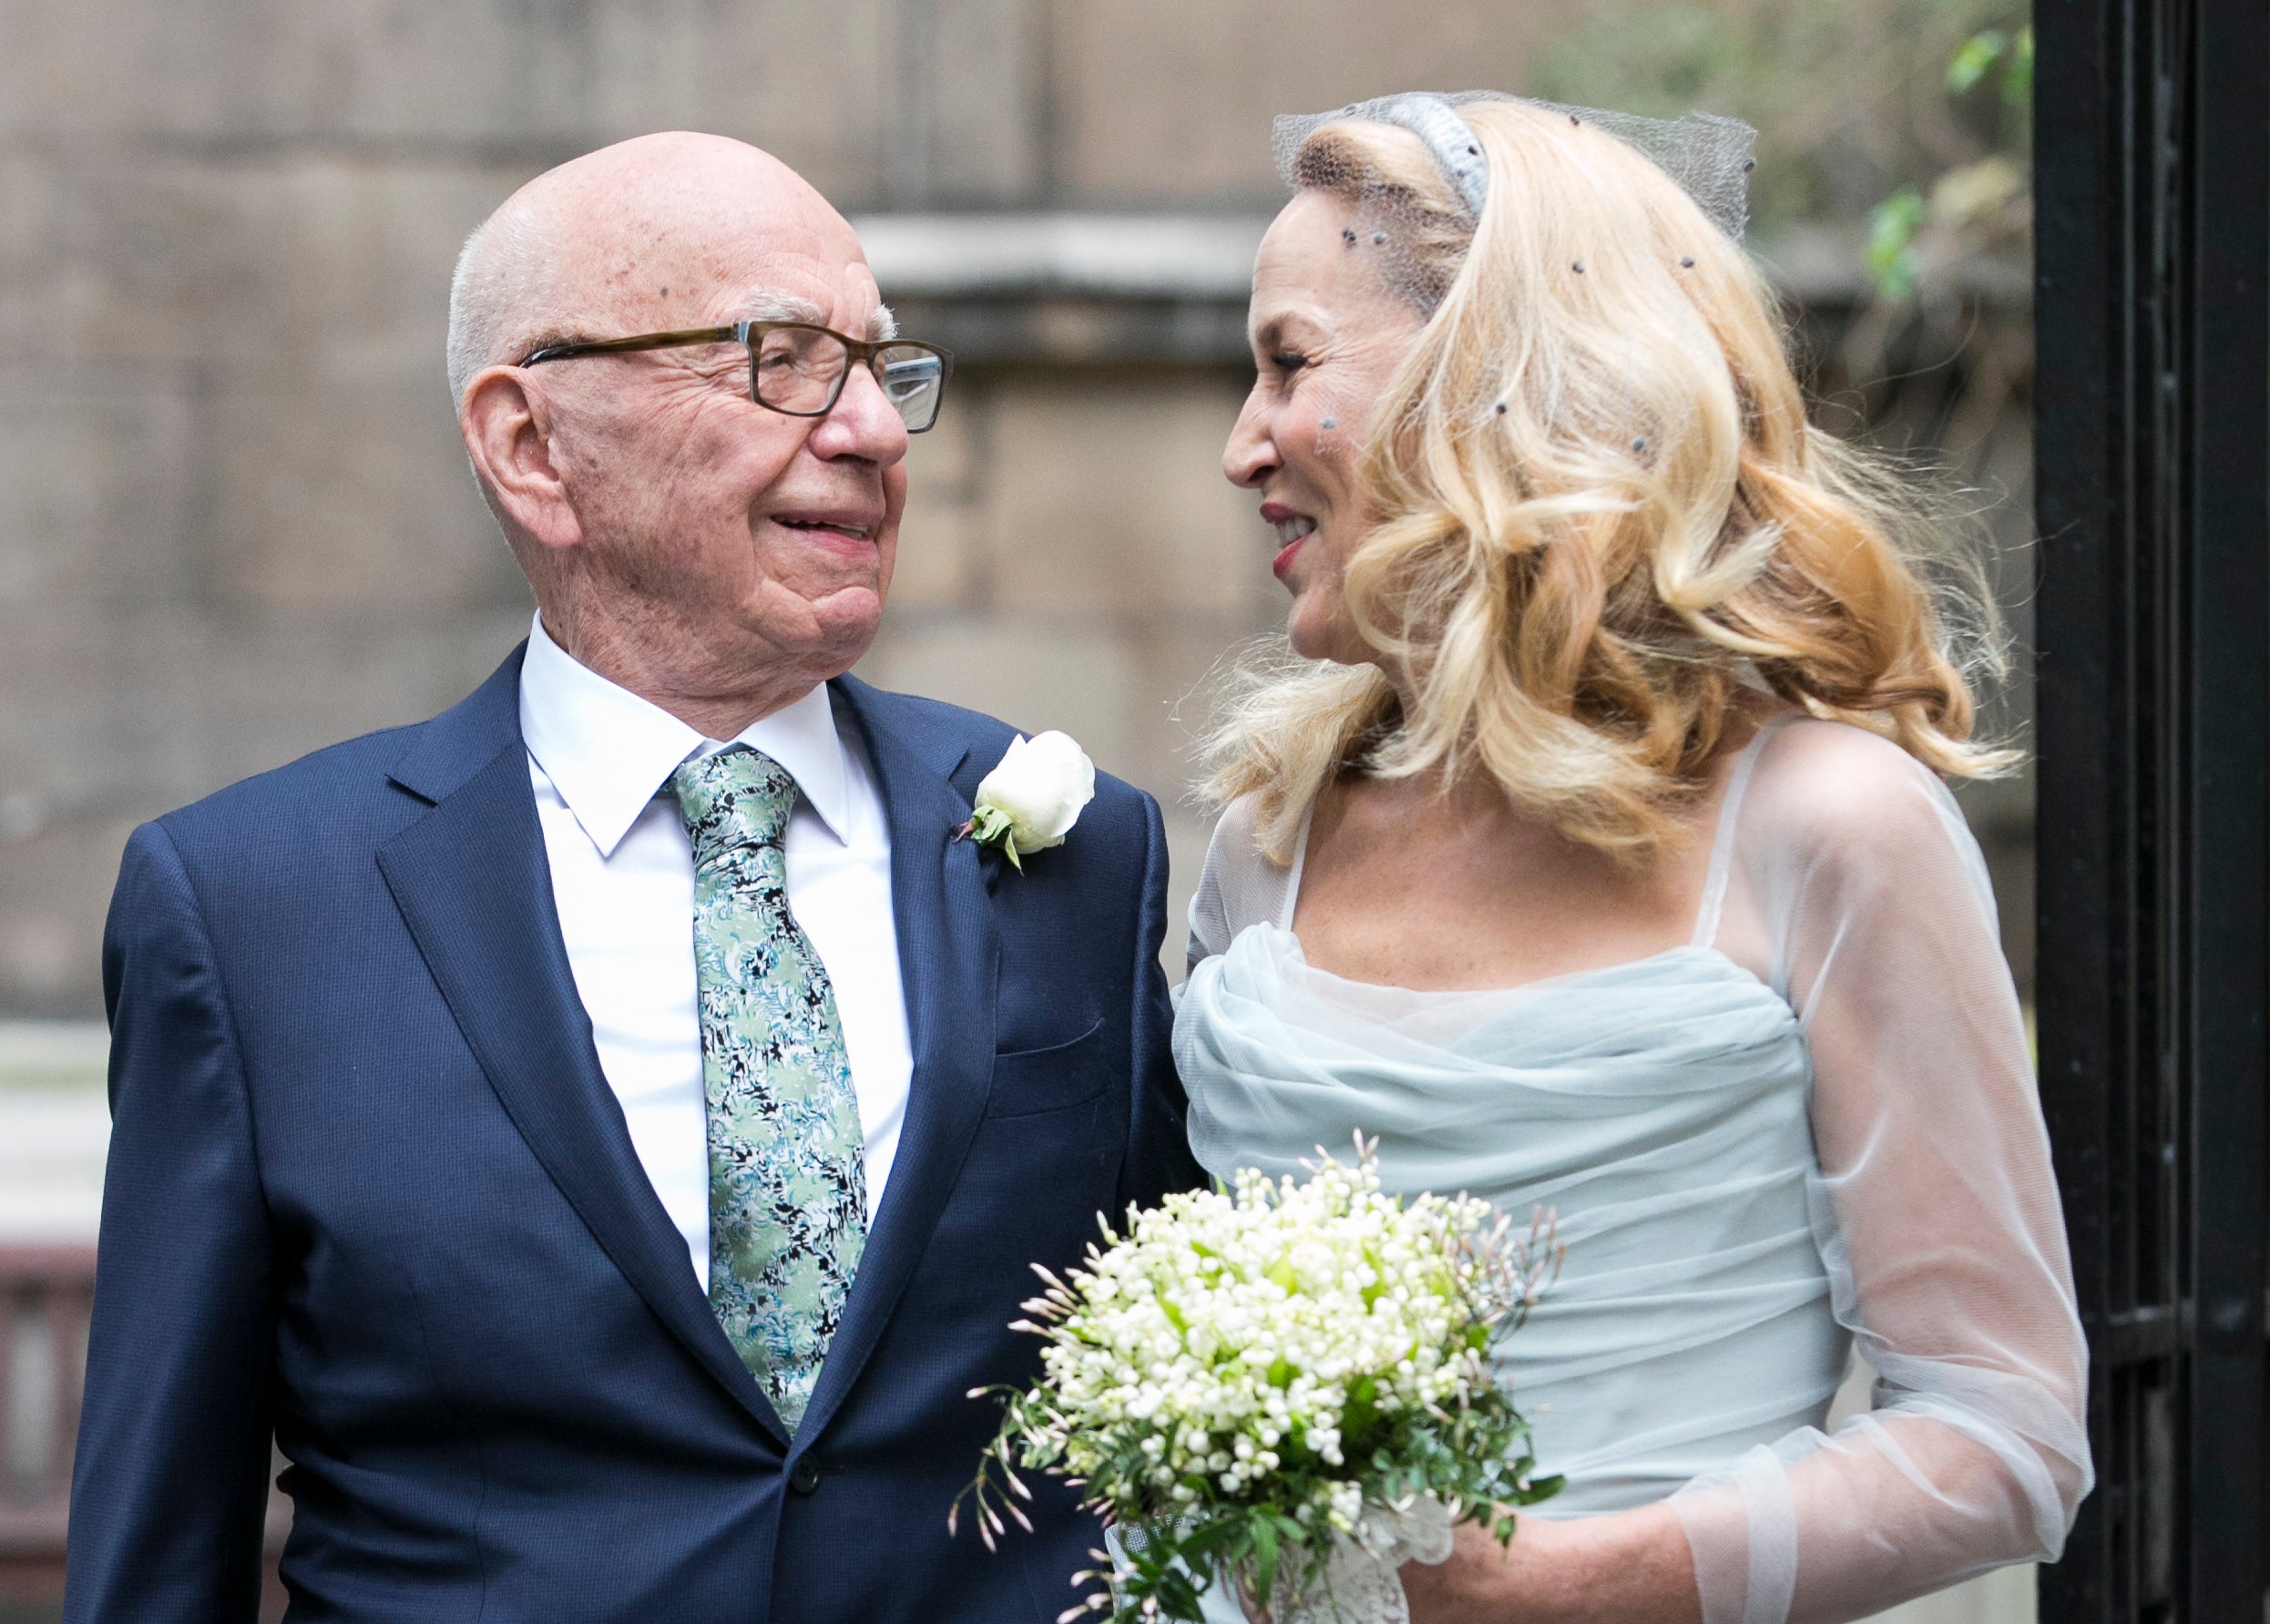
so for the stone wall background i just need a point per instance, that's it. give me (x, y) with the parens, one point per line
(235, 524)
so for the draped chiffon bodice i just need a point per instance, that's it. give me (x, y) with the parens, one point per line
(1658, 1108)
(1813, 1121)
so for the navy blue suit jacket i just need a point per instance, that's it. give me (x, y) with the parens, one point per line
(369, 1190)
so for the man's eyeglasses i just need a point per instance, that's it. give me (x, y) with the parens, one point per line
(799, 368)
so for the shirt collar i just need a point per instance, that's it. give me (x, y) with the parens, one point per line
(610, 752)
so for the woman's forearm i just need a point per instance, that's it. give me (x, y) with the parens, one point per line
(1623, 1568)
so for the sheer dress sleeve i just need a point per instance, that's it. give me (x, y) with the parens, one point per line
(1856, 891)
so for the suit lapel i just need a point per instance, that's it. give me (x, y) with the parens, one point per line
(949, 956)
(474, 887)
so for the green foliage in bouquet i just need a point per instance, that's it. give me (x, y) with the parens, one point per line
(1245, 1377)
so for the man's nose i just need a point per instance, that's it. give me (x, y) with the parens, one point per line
(862, 423)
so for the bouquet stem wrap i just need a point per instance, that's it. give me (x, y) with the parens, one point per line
(1359, 1583)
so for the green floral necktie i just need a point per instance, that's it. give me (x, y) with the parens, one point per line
(788, 1183)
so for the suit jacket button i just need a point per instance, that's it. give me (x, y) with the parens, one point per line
(805, 1477)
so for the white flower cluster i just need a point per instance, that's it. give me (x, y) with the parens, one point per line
(1228, 1336)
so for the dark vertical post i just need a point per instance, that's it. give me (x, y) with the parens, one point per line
(2081, 823)
(2229, 673)
(2153, 149)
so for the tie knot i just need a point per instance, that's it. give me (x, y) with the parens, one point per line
(736, 798)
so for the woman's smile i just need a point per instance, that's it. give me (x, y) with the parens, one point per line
(1293, 529)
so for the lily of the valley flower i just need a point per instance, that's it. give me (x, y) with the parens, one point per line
(1031, 800)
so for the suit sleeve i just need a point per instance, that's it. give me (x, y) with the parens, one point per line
(170, 1479)
(1158, 1156)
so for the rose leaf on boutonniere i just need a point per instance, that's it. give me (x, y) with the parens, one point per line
(1030, 801)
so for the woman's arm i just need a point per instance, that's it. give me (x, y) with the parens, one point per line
(1938, 1217)
(1935, 1210)
(1625, 1568)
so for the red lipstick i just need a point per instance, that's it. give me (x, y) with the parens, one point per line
(1277, 513)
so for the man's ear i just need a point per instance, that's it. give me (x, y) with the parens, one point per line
(507, 434)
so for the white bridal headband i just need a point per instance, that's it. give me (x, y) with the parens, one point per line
(1708, 156)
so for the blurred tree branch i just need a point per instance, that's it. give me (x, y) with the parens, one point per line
(1898, 130)
(1852, 99)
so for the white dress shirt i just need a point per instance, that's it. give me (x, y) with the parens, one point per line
(622, 874)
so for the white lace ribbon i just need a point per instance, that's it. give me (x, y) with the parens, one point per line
(1359, 1584)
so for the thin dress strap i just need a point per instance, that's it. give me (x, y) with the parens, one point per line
(1723, 843)
(1291, 899)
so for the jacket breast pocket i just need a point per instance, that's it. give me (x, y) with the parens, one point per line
(1029, 1082)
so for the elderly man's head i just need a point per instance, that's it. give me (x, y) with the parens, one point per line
(686, 540)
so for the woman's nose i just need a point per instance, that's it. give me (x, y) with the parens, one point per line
(1251, 452)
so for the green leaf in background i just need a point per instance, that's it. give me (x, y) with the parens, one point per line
(1980, 52)
(2018, 79)
(1987, 49)
(1893, 226)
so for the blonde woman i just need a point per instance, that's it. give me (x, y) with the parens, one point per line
(1602, 861)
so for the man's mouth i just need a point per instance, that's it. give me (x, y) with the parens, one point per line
(851, 528)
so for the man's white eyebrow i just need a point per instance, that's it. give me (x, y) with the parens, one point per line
(780, 307)
(790, 307)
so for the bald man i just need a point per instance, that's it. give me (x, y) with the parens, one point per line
(602, 1133)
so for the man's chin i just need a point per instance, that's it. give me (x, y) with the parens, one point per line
(834, 630)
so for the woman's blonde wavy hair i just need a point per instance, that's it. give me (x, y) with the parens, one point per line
(1601, 512)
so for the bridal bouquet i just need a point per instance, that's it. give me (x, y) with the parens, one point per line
(1289, 1382)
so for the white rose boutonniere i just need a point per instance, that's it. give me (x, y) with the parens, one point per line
(1031, 801)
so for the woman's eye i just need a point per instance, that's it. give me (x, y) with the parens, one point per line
(1288, 360)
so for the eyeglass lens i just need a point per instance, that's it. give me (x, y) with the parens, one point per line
(801, 369)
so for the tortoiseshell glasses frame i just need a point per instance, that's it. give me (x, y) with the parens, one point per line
(799, 368)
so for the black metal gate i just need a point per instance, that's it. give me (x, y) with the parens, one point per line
(2153, 321)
